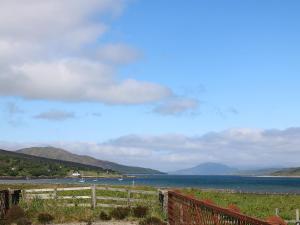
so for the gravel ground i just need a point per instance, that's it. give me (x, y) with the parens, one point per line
(106, 223)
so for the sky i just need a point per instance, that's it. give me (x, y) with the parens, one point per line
(160, 84)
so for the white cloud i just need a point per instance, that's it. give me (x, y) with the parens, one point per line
(55, 115)
(176, 106)
(45, 53)
(77, 80)
(235, 147)
(118, 53)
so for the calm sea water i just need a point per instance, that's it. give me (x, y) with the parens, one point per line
(238, 183)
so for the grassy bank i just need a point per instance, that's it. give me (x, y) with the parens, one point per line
(257, 205)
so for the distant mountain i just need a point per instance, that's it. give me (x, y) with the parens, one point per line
(13, 164)
(207, 169)
(57, 153)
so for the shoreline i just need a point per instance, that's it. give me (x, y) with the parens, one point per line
(53, 178)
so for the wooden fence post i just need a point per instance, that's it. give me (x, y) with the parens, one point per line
(277, 212)
(24, 195)
(128, 197)
(297, 216)
(55, 193)
(181, 214)
(94, 200)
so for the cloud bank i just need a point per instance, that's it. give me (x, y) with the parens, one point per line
(52, 50)
(244, 148)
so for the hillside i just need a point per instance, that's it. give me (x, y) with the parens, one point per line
(207, 169)
(22, 165)
(287, 172)
(258, 172)
(57, 153)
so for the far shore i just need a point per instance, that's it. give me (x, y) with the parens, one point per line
(283, 176)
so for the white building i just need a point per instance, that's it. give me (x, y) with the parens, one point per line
(76, 174)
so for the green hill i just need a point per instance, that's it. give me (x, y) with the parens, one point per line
(22, 165)
(57, 153)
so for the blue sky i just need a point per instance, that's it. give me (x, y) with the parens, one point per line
(103, 71)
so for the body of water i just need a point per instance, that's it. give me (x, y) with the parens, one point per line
(238, 183)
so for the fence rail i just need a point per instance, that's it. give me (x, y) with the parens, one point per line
(95, 200)
(186, 210)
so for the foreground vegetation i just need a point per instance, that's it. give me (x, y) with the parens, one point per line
(256, 205)
(36, 208)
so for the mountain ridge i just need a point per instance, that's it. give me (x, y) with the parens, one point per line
(59, 153)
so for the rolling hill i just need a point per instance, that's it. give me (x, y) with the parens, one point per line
(13, 164)
(57, 153)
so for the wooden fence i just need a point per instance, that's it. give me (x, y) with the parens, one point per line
(186, 210)
(95, 200)
(4, 203)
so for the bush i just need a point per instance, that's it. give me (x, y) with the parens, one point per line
(152, 221)
(104, 216)
(120, 213)
(140, 211)
(14, 213)
(23, 221)
(45, 218)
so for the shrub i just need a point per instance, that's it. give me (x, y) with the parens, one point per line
(14, 213)
(120, 213)
(152, 221)
(23, 221)
(45, 218)
(104, 216)
(140, 211)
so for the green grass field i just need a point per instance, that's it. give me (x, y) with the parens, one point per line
(256, 205)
